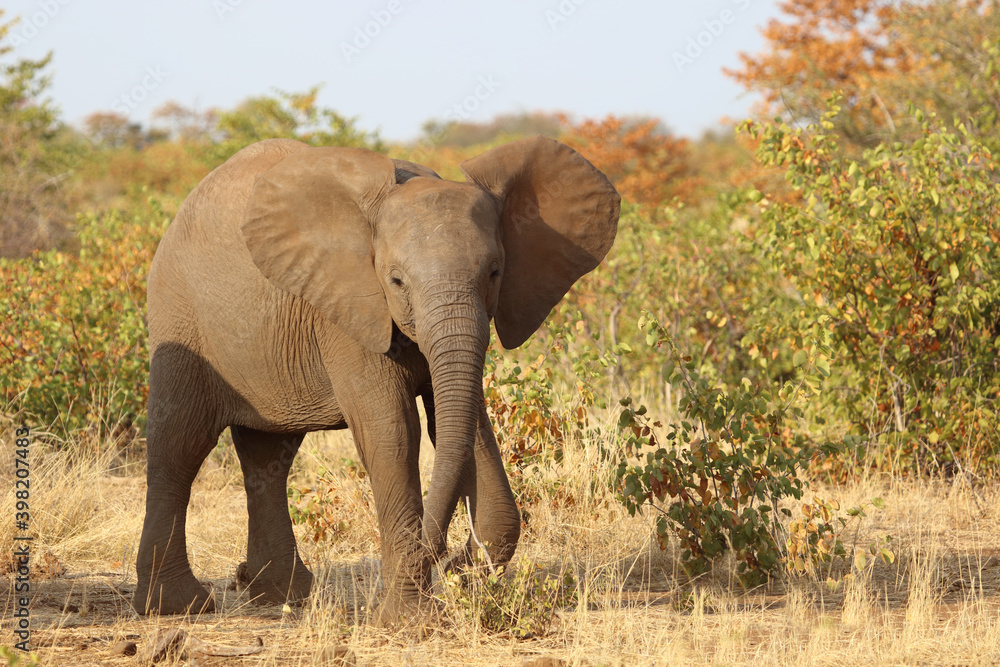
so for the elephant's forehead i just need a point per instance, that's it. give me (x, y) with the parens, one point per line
(434, 200)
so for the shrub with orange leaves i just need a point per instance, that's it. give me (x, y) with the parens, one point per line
(647, 165)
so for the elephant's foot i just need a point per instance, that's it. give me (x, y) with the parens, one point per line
(184, 596)
(271, 586)
(410, 611)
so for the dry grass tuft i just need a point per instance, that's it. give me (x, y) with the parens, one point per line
(627, 601)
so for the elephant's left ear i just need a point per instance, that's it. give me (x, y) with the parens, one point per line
(559, 217)
(308, 228)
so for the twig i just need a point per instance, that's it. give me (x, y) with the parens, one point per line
(176, 643)
(965, 475)
(475, 538)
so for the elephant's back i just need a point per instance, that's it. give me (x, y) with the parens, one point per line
(208, 222)
(202, 254)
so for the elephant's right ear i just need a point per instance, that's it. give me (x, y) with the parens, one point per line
(307, 227)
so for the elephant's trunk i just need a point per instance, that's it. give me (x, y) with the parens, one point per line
(454, 341)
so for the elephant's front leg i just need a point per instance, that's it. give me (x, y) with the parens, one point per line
(389, 446)
(275, 570)
(495, 517)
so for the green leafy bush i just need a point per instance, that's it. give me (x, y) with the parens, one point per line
(521, 598)
(725, 466)
(695, 269)
(74, 352)
(16, 659)
(895, 262)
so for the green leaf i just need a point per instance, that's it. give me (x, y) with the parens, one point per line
(800, 358)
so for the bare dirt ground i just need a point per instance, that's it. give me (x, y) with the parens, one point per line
(937, 603)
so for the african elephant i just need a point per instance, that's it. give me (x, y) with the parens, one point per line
(303, 289)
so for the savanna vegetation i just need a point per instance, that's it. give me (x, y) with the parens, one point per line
(765, 429)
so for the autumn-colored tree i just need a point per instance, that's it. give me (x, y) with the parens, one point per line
(113, 130)
(181, 123)
(882, 55)
(824, 46)
(128, 158)
(647, 165)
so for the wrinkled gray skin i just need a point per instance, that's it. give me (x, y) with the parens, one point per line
(302, 289)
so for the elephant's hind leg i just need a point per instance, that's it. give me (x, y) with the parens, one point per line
(180, 433)
(275, 570)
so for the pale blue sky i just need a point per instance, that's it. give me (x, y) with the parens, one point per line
(423, 59)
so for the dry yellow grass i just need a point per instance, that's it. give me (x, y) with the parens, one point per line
(939, 603)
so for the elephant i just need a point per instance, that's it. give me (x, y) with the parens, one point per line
(304, 288)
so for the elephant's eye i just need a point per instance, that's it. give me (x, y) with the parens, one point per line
(495, 273)
(396, 280)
